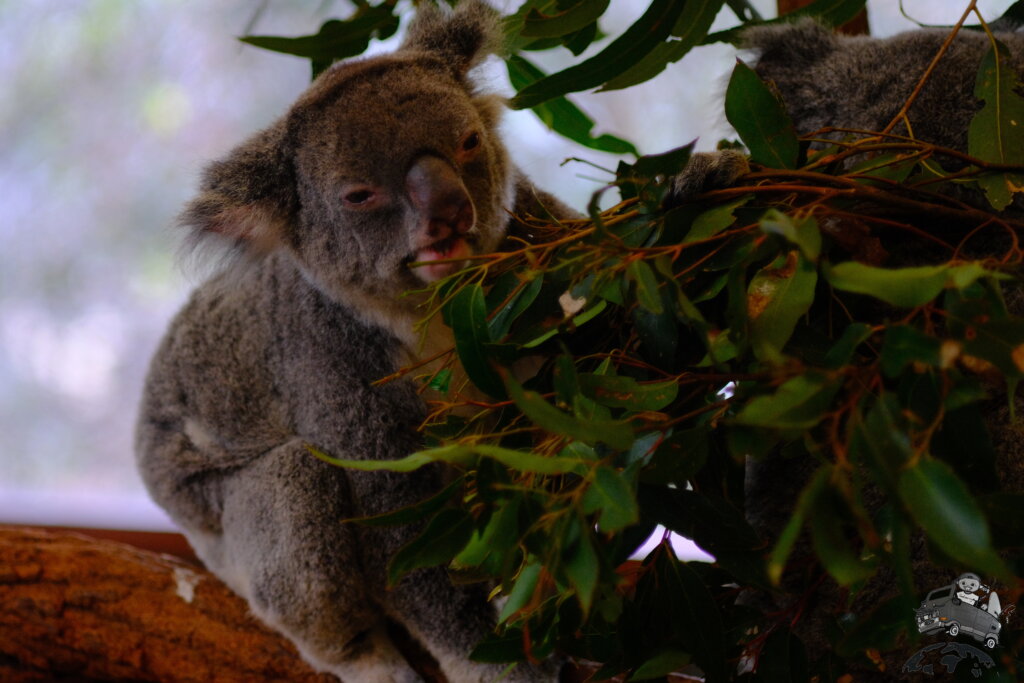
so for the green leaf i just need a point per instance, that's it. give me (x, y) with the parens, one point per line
(495, 648)
(646, 285)
(787, 539)
(415, 512)
(826, 522)
(610, 494)
(797, 405)
(777, 297)
(514, 304)
(829, 12)
(618, 391)
(462, 455)
(715, 220)
(842, 351)
(561, 115)
(996, 133)
(569, 20)
(522, 591)
(441, 380)
(881, 440)
(661, 664)
(905, 345)
(761, 120)
(525, 461)
(582, 568)
(500, 534)
(336, 39)
(690, 29)
(453, 455)
(628, 49)
(905, 287)
(445, 535)
(639, 178)
(467, 312)
(803, 233)
(947, 512)
(616, 434)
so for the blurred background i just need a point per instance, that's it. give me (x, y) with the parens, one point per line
(111, 109)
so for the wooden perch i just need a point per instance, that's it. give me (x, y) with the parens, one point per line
(77, 608)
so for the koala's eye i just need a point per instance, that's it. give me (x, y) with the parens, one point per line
(471, 142)
(358, 197)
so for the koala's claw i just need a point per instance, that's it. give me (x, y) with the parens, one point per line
(706, 171)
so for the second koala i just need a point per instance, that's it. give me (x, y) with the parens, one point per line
(381, 164)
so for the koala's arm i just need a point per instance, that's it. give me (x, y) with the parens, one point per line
(531, 201)
(706, 171)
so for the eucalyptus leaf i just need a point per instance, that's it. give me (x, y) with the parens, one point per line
(616, 434)
(564, 21)
(625, 51)
(996, 133)
(468, 316)
(797, 405)
(625, 392)
(611, 495)
(336, 39)
(761, 120)
(690, 29)
(561, 115)
(445, 535)
(905, 287)
(778, 296)
(944, 508)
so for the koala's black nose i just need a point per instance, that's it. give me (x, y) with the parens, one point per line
(440, 197)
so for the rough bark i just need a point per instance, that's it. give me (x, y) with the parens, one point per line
(74, 608)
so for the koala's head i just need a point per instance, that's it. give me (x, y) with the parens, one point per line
(382, 164)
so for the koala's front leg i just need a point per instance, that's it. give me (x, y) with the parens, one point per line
(448, 619)
(706, 171)
(285, 548)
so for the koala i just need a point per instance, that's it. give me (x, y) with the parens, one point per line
(386, 175)
(858, 82)
(829, 80)
(861, 83)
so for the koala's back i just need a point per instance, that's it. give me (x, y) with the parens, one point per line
(861, 82)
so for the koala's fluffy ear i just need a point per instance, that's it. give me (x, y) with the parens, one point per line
(794, 45)
(462, 38)
(247, 197)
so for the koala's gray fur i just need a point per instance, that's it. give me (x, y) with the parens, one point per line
(861, 83)
(380, 163)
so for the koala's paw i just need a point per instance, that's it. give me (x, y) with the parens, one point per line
(706, 171)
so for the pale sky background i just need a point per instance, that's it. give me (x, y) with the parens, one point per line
(111, 109)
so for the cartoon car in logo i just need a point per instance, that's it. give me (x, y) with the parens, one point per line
(942, 610)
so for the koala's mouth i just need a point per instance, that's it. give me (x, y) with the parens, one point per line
(440, 259)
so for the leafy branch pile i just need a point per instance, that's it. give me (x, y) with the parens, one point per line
(840, 307)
